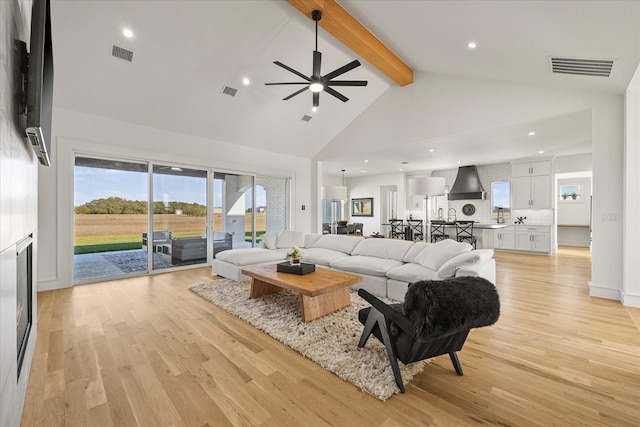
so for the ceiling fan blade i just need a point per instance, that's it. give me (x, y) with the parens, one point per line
(347, 83)
(287, 83)
(297, 73)
(317, 60)
(335, 73)
(338, 95)
(295, 93)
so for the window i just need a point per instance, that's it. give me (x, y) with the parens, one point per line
(501, 198)
(570, 193)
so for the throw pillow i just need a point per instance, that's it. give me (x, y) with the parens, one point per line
(448, 269)
(434, 256)
(288, 239)
(269, 240)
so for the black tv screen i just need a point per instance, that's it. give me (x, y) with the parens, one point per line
(40, 82)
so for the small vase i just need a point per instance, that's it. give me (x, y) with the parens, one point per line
(295, 261)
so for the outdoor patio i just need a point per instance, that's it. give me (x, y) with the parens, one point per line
(89, 266)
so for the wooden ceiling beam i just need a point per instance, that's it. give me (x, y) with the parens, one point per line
(344, 27)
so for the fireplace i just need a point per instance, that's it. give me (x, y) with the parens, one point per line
(24, 308)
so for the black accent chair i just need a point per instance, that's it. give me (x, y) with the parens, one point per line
(434, 319)
(397, 228)
(464, 232)
(437, 231)
(415, 225)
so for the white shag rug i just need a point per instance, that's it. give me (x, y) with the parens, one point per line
(331, 341)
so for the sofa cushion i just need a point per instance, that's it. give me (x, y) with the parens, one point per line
(433, 256)
(373, 266)
(321, 256)
(310, 239)
(248, 256)
(337, 242)
(288, 239)
(269, 240)
(412, 272)
(449, 268)
(415, 250)
(383, 248)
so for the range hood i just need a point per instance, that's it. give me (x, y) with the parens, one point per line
(467, 185)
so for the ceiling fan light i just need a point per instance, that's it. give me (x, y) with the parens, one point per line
(316, 87)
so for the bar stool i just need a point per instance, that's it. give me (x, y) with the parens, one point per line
(416, 228)
(464, 232)
(396, 228)
(437, 231)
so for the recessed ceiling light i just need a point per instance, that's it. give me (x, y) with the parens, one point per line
(363, 171)
(458, 162)
(366, 161)
(531, 133)
(431, 150)
(314, 109)
(472, 45)
(127, 33)
(246, 81)
(400, 170)
(541, 152)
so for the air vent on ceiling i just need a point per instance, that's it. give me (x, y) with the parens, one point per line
(306, 118)
(121, 53)
(582, 67)
(228, 90)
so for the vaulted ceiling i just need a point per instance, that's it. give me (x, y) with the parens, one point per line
(186, 52)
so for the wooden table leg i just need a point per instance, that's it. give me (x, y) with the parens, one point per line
(260, 288)
(315, 307)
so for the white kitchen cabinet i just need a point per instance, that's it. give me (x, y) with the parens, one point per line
(504, 238)
(533, 238)
(531, 185)
(531, 168)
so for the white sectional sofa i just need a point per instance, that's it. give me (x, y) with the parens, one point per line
(387, 266)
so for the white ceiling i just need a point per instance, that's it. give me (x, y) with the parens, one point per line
(185, 52)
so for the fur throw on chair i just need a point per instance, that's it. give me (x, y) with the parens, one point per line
(444, 307)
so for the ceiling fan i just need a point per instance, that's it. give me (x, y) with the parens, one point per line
(317, 82)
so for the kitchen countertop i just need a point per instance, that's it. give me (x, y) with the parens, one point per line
(490, 225)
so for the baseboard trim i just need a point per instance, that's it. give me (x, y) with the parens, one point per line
(601, 292)
(49, 285)
(631, 300)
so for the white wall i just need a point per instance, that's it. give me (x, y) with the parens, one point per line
(76, 132)
(370, 186)
(18, 212)
(631, 235)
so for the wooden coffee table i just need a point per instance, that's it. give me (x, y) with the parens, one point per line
(321, 292)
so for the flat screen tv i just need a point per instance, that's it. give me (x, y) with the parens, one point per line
(40, 82)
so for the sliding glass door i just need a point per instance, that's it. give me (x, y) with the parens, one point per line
(179, 216)
(241, 214)
(110, 218)
(233, 213)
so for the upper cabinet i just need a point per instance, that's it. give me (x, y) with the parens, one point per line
(531, 185)
(531, 169)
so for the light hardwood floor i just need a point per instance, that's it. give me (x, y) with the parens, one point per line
(148, 352)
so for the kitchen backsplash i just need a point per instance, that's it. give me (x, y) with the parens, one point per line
(482, 208)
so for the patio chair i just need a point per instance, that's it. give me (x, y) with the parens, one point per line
(435, 319)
